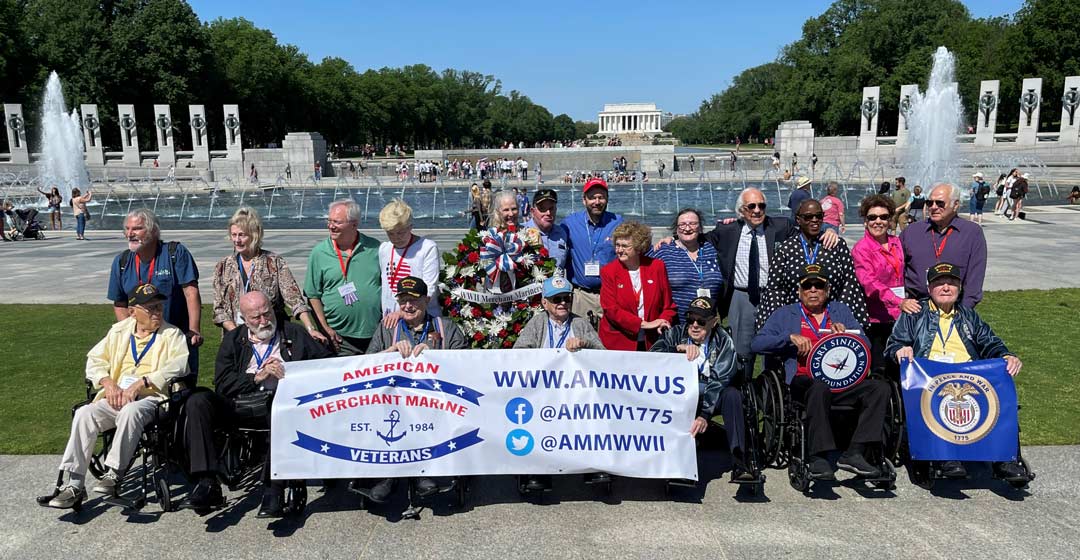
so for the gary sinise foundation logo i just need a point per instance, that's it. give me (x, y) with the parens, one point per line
(840, 360)
(960, 408)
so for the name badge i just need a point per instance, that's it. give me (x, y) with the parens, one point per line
(704, 292)
(898, 292)
(592, 268)
(127, 381)
(947, 358)
(348, 293)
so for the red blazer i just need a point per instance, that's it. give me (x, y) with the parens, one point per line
(620, 324)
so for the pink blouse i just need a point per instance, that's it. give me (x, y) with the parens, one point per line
(880, 271)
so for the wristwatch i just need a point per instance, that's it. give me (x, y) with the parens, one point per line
(146, 382)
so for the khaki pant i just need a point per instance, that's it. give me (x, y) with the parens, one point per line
(97, 417)
(586, 302)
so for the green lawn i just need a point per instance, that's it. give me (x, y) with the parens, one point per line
(44, 346)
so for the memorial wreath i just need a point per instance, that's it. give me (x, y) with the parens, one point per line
(491, 284)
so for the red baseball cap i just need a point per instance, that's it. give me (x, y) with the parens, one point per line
(594, 183)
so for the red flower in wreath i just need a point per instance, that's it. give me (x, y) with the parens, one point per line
(462, 247)
(478, 337)
(473, 257)
(517, 328)
(476, 313)
(544, 252)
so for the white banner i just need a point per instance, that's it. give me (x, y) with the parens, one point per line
(472, 296)
(475, 412)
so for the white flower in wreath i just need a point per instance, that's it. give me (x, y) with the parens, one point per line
(538, 274)
(450, 270)
(532, 237)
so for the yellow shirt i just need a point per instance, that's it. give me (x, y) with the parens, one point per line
(952, 350)
(111, 357)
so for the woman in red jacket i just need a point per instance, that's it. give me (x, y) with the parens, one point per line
(634, 292)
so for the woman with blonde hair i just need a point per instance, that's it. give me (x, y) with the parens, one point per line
(405, 254)
(252, 268)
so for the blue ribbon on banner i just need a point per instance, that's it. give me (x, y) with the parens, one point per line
(960, 412)
(383, 456)
(434, 385)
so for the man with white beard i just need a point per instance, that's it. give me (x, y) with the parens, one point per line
(249, 364)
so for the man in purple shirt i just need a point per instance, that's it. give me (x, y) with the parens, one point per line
(946, 237)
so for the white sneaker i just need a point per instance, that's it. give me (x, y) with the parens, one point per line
(68, 498)
(108, 484)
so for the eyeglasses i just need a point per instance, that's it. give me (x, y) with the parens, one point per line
(814, 285)
(754, 206)
(878, 217)
(698, 322)
(561, 299)
(938, 203)
(813, 217)
(689, 227)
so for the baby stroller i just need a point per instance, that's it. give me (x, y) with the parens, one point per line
(25, 225)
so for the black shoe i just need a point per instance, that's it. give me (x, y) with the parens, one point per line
(425, 487)
(820, 469)
(953, 469)
(378, 493)
(854, 462)
(739, 471)
(206, 495)
(1011, 471)
(534, 485)
(273, 503)
(598, 478)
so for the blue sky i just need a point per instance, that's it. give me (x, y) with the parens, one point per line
(571, 57)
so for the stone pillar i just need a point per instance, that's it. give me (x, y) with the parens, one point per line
(868, 128)
(907, 96)
(163, 127)
(233, 144)
(1070, 111)
(986, 117)
(129, 135)
(91, 125)
(15, 125)
(200, 142)
(795, 137)
(302, 150)
(1030, 101)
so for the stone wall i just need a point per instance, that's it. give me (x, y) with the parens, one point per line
(567, 159)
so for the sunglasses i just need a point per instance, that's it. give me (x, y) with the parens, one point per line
(561, 299)
(814, 285)
(939, 203)
(754, 206)
(815, 217)
(698, 322)
(878, 217)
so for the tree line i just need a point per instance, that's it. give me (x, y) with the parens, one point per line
(157, 51)
(889, 43)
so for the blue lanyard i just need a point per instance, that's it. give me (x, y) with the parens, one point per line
(405, 328)
(699, 269)
(704, 352)
(551, 336)
(594, 241)
(138, 356)
(811, 256)
(810, 321)
(266, 355)
(245, 279)
(952, 323)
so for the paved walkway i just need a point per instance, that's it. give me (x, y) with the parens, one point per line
(1038, 253)
(971, 519)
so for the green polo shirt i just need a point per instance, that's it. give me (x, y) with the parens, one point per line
(324, 277)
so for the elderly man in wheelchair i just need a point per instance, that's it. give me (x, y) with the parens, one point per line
(790, 333)
(946, 331)
(247, 369)
(132, 368)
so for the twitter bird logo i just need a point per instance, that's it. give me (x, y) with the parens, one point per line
(519, 442)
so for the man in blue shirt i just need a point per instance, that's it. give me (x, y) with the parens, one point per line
(801, 193)
(169, 267)
(545, 207)
(589, 234)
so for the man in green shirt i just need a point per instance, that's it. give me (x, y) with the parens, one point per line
(901, 198)
(342, 281)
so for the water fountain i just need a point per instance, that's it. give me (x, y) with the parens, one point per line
(62, 163)
(935, 119)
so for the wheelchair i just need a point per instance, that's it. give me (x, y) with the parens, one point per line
(783, 432)
(244, 450)
(156, 443)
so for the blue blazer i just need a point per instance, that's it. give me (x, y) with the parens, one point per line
(774, 336)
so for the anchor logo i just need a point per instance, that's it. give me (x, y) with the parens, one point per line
(393, 420)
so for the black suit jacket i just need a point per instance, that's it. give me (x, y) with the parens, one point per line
(230, 369)
(725, 237)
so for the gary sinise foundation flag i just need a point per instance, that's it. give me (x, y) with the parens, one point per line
(475, 412)
(963, 412)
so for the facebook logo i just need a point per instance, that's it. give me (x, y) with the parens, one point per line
(519, 410)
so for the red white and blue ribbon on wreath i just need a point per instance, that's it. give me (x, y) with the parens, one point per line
(501, 253)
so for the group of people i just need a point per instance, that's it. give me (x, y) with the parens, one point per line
(780, 284)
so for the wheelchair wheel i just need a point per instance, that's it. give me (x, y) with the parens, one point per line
(161, 488)
(461, 492)
(771, 419)
(895, 428)
(921, 474)
(798, 475)
(96, 466)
